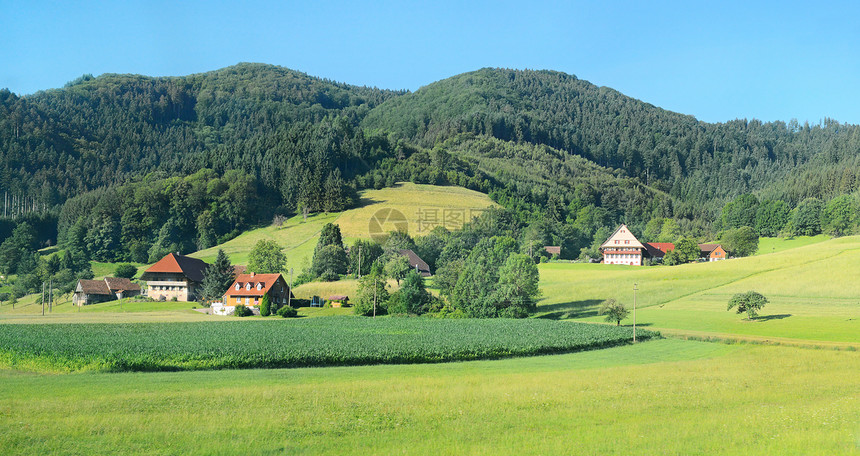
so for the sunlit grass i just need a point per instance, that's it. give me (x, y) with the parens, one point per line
(813, 292)
(662, 397)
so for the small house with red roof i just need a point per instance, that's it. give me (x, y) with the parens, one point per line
(175, 276)
(249, 289)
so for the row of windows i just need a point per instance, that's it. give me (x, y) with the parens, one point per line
(623, 255)
(283, 300)
(162, 288)
(259, 286)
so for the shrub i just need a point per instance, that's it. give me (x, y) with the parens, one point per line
(265, 306)
(241, 311)
(329, 276)
(287, 312)
(125, 270)
(303, 278)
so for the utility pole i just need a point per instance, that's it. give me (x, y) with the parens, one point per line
(290, 291)
(634, 311)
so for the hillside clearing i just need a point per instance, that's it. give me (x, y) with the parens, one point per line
(416, 202)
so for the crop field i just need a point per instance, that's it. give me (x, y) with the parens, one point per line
(813, 292)
(291, 343)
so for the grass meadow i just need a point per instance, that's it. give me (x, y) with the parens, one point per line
(668, 397)
(813, 292)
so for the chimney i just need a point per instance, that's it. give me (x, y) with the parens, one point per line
(253, 274)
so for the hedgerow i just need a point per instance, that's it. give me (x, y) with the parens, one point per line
(297, 343)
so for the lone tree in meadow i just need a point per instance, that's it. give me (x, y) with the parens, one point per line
(614, 311)
(749, 302)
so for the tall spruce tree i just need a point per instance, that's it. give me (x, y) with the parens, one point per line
(217, 277)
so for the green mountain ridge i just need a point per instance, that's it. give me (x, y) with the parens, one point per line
(531, 138)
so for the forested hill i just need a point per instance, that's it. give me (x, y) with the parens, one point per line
(542, 143)
(102, 131)
(700, 164)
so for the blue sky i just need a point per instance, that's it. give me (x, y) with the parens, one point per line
(767, 60)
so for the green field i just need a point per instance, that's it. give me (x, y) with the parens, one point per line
(775, 244)
(666, 397)
(813, 291)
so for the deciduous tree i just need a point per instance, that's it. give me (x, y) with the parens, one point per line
(749, 302)
(613, 310)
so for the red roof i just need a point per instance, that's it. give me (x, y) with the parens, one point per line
(659, 249)
(263, 281)
(180, 264)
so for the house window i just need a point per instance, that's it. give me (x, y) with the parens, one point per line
(247, 301)
(237, 286)
(238, 300)
(259, 286)
(626, 242)
(616, 242)
(248, 286)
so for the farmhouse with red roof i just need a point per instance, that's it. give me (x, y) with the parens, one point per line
(175, 276)
(623, 248)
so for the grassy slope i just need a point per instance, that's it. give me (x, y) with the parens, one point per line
(772, 245)
(299, 237)
(662, 397)
(812, 289)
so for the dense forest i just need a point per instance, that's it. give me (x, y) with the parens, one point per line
(126, 157)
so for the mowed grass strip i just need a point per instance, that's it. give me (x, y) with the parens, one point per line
(296, 343)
